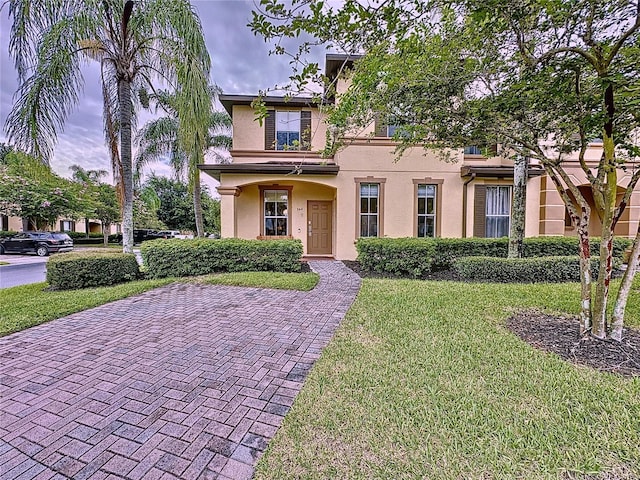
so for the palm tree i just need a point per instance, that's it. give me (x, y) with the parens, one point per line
(135, 45)
(159, 139)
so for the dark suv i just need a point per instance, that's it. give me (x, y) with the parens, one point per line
(40, 243)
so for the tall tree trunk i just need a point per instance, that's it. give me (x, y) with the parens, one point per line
(599, 329)
(197, 203)
(585, 272)
(124, 94)
(106, 227)
(617, 319)
(518, 210)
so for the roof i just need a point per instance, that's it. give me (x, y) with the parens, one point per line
(499, 171)
(274, 168)
(335, 61)
(228, 101)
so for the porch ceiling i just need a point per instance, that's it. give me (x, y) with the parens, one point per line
(274, 168)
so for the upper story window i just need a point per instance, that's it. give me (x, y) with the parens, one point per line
(486, 150)
(472, 150)
(4, 222)
(288, 130)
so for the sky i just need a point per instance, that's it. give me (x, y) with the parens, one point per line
(240, 65)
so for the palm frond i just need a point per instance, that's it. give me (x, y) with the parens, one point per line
(46, 98)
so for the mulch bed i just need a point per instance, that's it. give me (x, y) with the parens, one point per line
(560, 335)
(557, 334)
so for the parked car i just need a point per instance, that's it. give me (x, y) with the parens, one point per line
(140, 235)
(40, 243)
(172, 234)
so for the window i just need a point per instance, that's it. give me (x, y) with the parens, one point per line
(287, 130)
(4, 222)
(67, 226)
(426, 210)
(472, 150)
(276, 217)
(369, 209)
(498, 208)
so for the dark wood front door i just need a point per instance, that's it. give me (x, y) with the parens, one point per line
(319, 228)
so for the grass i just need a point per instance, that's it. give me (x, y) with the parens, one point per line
(29, 305)
(4, 263)
(282, 281)
(422, 380)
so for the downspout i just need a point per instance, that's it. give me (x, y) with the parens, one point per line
(464, 204)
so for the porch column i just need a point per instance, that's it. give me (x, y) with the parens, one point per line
(228, 211)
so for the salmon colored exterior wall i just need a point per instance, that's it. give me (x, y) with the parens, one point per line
(365, 157)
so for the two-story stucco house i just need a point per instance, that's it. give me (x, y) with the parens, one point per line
(279, 186)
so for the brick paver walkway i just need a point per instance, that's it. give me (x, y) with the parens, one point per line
(186, 381)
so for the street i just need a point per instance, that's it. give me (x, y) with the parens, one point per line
(23, 269)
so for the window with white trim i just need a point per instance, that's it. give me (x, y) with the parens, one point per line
(498, 211)
(276, 217)
(287, 130)
(67, 225)
(369, 209)
(426, 210)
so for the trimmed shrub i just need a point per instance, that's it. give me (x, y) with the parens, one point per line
(78, 235)
(448, 249)
(7, 233)
(202, 256)
(415, 257)
(524, 270)
(67, 271)
(396, 256)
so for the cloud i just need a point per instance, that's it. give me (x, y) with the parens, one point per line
(240, 65)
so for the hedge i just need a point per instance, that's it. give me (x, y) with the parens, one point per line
(524, 270)
(417, 256)
(67, 271)
(7, 233)
(398, 256)
(202, 256)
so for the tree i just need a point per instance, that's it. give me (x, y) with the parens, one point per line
(106, 208)
(135, 43)
(160, 139)
(88, 178)
(174, 207)
(541, 78)
(28, 189)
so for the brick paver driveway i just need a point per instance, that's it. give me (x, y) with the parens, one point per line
(186, 381)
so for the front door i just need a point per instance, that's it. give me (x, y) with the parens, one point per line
(319, 227)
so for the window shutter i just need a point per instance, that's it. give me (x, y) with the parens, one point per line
(270, 130)
(380, 128)
(305, 130)
(480, 211)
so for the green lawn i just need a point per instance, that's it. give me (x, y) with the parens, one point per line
(25, 306)
(29, 305)
(422, 380)
(283, 281)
